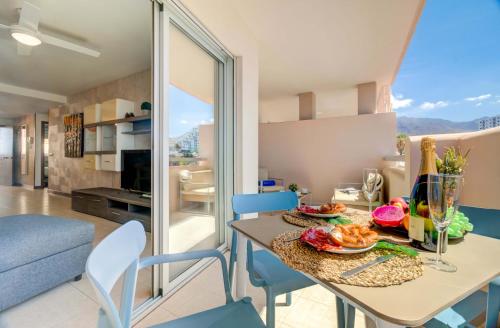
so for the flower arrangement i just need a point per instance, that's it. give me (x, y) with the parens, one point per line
(453, 161)
(401, 142)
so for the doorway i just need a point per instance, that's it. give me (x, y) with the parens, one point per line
(196, 124)
(44, 158)
(6, 155)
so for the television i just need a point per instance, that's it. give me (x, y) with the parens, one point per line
(136, 170)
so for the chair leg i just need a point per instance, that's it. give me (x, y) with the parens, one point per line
(341, 314)
(270, 309)
(232, 257)
(288, 299)
(493, 305)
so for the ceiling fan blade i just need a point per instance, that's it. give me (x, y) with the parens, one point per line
(23, 50)
(29, 16)
(68, 45)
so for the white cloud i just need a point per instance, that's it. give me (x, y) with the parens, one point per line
(478, 98)
(432, 105)
(479, 104)
(400, 102)
(184, 122)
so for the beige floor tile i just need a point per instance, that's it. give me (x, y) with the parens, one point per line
(54, 307)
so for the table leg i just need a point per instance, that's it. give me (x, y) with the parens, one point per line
(384, 324)
(241, 267)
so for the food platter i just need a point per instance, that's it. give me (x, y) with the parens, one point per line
(314, 211)
(319, 238)
(320, 215)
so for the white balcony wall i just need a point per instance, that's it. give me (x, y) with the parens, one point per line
(482, 174)
(329, 103)
(320, 154)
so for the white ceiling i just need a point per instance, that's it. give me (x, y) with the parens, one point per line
(13, 106)
(120, 29)
(327, 44)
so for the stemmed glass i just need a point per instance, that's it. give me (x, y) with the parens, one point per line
(443, 191)
(370, 183)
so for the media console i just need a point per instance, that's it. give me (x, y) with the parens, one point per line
(113, 204)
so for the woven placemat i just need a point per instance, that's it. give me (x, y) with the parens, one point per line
(329, 266)
(305, 221)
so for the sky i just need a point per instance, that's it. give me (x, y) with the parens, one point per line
(451, 69)
(187, 112)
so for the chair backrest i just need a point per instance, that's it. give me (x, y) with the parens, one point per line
(486, 221)
(117, 254)
(265, 202)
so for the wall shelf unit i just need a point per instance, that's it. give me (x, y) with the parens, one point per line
(108, 132)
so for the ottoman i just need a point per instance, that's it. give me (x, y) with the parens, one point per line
(39, 252)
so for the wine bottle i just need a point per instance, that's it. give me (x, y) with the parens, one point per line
(421, 226)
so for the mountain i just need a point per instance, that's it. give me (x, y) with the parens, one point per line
(414, 126)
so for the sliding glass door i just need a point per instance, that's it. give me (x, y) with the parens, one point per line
(197, 135)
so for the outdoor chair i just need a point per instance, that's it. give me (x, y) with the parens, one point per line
(119, 254)
(487, 223)
(266, 270)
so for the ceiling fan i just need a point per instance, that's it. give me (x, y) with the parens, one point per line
(27, 35)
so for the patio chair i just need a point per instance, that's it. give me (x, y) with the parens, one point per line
(119, 254)
(266, 270)
(487, 223)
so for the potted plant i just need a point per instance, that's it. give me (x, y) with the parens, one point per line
(294, 188)
(401, 143)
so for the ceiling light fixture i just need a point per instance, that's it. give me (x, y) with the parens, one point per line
(25, 36)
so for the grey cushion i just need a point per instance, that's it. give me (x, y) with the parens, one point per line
(28, 238)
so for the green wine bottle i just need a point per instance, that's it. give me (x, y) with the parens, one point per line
(421, 226)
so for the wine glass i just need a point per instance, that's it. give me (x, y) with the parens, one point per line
(443, 191)
(370, 183)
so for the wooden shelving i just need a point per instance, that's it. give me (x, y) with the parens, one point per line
(134, 132)
(121, 120)
(100, 152)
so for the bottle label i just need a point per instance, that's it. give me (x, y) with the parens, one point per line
(417, 227)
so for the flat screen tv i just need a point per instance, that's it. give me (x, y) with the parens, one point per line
(136, 170)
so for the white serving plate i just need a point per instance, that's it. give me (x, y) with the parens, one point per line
(345, 250)
(318, 215)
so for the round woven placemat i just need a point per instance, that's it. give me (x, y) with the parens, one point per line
(305, 221)
(329, 266)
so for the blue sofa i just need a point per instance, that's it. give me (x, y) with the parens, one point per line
(39, 252)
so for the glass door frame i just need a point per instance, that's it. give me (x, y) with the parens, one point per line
(170, 12)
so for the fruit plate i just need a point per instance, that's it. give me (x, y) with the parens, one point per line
(319, 215)
(345, 250)
(315, 237)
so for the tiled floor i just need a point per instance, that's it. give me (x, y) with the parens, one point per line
(73, 305)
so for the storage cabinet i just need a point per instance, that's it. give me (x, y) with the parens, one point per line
(91, 162)
(108, 163)
(92, 114)
(115, 109)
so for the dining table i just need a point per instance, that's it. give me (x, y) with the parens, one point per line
(409, 304)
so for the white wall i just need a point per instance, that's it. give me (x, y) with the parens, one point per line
(6, 121)
(329, 103)
(279, 109)
(39, 117)
(335, 103)
(226, 25)
(321, 154)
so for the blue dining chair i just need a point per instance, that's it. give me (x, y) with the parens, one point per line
(266, 270)
(118, 254)
(487, 223)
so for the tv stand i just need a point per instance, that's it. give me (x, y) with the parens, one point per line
(113, 204)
